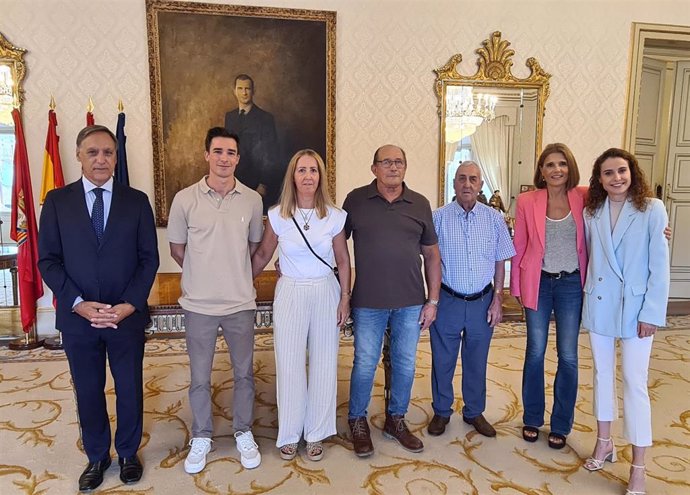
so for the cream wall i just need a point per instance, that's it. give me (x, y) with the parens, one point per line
(386, 51)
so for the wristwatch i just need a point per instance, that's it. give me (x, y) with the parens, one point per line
(433, 302)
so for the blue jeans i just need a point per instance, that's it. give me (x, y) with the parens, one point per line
(460, 322)
(370, 325)
(563, 297)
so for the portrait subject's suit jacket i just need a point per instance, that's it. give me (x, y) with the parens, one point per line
(258, 147)
(121, 268)
(628, 276)
(530, 243)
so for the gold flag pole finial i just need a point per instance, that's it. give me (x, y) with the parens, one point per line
(52, 103)
(89, 107)
(120, 106)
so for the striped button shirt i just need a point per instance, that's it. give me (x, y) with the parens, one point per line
(471, 243)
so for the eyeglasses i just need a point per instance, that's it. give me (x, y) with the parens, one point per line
(389, 163)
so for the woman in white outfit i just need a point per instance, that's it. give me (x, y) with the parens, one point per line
(626, 293)
(309, 306)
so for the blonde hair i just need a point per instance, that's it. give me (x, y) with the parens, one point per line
(288, 194)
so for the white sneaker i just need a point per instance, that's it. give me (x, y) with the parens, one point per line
(196, 459)
(248, 449)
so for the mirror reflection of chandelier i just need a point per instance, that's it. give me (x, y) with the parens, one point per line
(6, 85)
(466, 111)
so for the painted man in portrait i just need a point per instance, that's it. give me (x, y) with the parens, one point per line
(260, 167)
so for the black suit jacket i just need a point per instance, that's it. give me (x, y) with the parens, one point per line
(119, 269)
(258, 147)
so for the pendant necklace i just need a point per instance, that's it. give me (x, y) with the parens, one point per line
(306, 218)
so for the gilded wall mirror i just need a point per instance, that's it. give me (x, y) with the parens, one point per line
(12, 71)
(493, 118)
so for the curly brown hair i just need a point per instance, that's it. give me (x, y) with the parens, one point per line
(573, 172)
(639, 189)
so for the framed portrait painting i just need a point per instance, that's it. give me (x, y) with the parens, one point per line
(266, 74)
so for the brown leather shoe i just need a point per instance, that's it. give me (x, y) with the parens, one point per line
(481, 425)
(361, 436)
(396, 429)
(437, 425)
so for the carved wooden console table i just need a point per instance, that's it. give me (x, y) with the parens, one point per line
(167, 318)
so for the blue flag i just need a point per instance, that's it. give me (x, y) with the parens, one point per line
(121, 173)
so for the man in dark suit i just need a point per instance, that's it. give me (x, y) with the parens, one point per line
(260, 169)
(98, 254)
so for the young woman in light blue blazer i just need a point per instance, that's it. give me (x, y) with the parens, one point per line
(625, 298)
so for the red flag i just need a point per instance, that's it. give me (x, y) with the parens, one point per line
(23, 229)
(89, 118)
(52, 167)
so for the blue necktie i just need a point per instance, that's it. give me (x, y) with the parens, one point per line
(97, 213)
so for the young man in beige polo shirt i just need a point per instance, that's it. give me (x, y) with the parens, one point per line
(214, 227)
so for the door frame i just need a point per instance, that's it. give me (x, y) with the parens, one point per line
(641, 32)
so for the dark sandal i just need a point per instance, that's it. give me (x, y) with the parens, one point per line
(556, 441)
(530, 433)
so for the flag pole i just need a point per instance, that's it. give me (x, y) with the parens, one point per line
(24, 232)
(121, 169)
(89, 112)
(54, 343)
(29, 341)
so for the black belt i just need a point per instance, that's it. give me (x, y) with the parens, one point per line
(468, 297)
(559, 274)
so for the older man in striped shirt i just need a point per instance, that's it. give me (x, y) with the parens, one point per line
(474, 244)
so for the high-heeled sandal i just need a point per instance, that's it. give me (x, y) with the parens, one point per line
(593, 464)
(530, 433)
(630, 492)
(556, 440)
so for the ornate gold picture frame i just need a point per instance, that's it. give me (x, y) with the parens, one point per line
(196, 51)
(12, 57)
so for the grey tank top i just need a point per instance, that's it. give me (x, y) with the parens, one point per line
(560, 253)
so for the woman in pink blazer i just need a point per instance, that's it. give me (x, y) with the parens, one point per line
(547, 275)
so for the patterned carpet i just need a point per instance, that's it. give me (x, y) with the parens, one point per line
(39, 433)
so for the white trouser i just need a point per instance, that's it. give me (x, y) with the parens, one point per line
(305, 319)
(637, 414)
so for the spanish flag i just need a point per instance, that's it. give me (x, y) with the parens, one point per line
(52, 166)
(23, 229)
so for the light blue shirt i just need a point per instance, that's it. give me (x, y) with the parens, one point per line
(91, 197)
(471, 243)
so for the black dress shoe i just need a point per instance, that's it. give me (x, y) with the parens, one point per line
(437, 425)
(92, 477)
(130, 469)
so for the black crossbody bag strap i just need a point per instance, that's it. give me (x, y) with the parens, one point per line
(309, 245)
